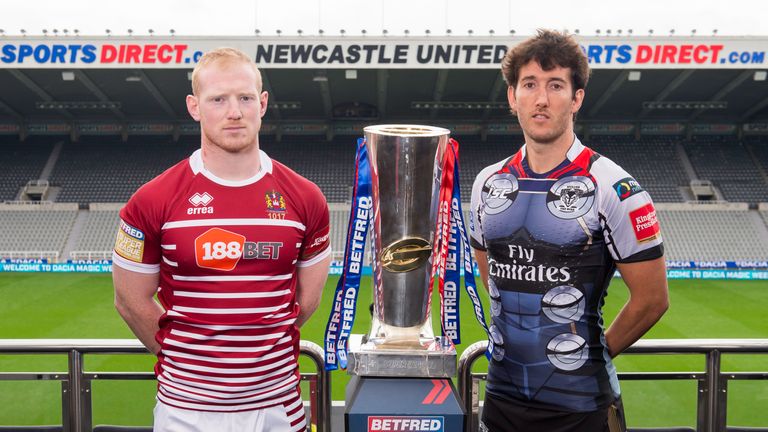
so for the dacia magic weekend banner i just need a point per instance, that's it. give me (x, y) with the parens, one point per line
(682, 52)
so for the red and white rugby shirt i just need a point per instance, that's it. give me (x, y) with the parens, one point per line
(227, 253)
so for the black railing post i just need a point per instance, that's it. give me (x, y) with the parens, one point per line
(75, 360)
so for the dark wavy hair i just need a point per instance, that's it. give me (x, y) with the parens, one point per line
(549, 49)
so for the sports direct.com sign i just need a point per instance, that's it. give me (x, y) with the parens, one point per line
(375, 53)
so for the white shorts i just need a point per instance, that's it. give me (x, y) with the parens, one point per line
(272, 419)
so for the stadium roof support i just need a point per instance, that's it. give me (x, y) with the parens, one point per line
(677, 82)
(5, 107)
(382, 79)
(153, 90)
(266, 86)
(325, 93)
(93, 88)
(621, 79)
(497, 88)
(723, 92)
(19, 75)
(442, 79)
(756, 108)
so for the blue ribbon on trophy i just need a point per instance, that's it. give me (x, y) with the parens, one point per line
(342, 316)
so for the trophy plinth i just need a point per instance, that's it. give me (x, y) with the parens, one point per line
(435, 357)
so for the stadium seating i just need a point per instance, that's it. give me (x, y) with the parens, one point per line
(30, 228)
(98, 234)
(728, 164)
(106, 170)
(704, 234)
(652, 162)
(21, 162)
(330, 165)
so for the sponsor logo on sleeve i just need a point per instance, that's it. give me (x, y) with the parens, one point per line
(404, 424)
(627, 187)
(319, 240)
(644, 223)
(129, 243)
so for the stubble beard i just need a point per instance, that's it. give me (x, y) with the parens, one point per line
(232, 145)
(547, 136)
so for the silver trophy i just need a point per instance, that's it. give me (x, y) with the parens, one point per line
(405, 172)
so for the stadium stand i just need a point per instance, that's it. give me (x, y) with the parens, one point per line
(97, 237)
(728, 164)
(21, 162)
(653, 162)
(764, 212)
(106, 170)
(35, 231)
(475, 155)
(717, 232)
(330, 164)
(101, 169)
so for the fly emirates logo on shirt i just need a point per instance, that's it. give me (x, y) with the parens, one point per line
(521, 266)
(219, 249)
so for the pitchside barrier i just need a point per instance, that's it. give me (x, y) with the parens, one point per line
(712, 395)
(76, 395)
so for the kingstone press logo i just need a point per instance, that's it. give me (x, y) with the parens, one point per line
(644, 223)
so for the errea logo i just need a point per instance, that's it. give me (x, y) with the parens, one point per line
(200, 201)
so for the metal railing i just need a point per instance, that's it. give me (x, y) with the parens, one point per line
(91, 255)
(17, 254)
(712, 382)
(76, 382)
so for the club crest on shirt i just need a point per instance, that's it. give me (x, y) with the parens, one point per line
(499, 192)
(571, 197)
(275, 204)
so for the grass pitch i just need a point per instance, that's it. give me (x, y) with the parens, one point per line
(80, 306)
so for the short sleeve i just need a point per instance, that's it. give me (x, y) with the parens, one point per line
(630, 224)
(316, 245)
(137, 243)
(476, 237)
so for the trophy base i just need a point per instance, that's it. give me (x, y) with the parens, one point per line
(434, 358)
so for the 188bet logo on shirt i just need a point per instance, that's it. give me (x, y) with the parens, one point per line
(220, 249)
